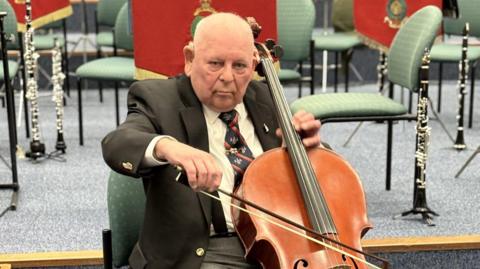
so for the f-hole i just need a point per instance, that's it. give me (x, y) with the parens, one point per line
(353, 261)
(297, 263)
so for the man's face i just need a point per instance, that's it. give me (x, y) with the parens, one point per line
(220, 70)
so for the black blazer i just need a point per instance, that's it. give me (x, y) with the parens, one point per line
(177, 220)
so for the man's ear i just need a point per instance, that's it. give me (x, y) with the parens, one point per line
(188, 55)
(256, 59)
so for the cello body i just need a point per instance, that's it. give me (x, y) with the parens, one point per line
(270, 182)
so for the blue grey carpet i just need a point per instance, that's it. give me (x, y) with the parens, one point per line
(62, 205)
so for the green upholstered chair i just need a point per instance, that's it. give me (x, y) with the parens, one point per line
(105, 15)
(10, 28)
(469, 11)
(8, 70)
(15, 44)
(342, 41)
(115, 69)
(126, 208)
(405, 57)
(295, 20)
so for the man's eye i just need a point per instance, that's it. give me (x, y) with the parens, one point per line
(215, 63)
(239, 66)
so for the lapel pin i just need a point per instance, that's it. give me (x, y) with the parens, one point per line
(265, 128)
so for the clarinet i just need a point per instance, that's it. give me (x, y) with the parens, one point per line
(57, 96)
(37, 148)
(463, 69)
(421, 151)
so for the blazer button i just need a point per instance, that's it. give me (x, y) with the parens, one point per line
(200, 252)
(127, 165)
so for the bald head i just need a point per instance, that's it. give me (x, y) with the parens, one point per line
(221, 26)
(221, 60)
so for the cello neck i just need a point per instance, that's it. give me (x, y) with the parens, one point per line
(317, 208)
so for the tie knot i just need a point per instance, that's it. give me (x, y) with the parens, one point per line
(229, 117)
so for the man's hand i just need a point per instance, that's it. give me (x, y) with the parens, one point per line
(202, 170)
(308, 128)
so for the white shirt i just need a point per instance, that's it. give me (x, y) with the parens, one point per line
(217, 129)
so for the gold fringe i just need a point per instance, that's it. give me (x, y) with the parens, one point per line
(54, 16)
(372, 43)
(141, 74)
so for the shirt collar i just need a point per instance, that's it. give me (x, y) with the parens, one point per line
(211, 116)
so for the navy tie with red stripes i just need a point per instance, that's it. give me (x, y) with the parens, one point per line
(237, 150)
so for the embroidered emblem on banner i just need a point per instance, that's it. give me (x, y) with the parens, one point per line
(396, 13)
(201, 12)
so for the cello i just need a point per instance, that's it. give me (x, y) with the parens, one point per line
(315, 189)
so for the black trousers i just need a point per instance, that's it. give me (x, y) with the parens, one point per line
(226, 252)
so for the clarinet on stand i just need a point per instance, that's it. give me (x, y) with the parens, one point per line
(57, 80)
(421, 151)
(463, 69)
(37, 148)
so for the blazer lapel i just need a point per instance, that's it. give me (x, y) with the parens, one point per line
(196, 129)
(263, 120)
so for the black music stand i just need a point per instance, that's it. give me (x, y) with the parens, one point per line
(468, 162)
(12, 132)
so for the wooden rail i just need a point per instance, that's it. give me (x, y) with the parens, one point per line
(383, 245)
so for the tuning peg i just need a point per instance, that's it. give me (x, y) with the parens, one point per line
(259, 70)
(269, 43)
(277, 51)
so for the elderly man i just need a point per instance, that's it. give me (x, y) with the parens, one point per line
(188, 122)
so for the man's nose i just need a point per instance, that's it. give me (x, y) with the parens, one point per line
(227, 74)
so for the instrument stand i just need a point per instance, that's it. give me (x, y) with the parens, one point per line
(468, 162)
(83, 39)
(60, 149)
(12, 131)
(420, 207)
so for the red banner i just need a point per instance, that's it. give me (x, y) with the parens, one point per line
(43, 11)
(377, 21)
(162, 28)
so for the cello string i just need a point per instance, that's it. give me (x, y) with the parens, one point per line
(289, 137)
(282, 226)
(307, 171)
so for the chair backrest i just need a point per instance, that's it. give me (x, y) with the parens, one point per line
(126, 208)
(409, 44)
(10, 22)
(469, 11)
(107, 11)
(123, 36)
(295, 21)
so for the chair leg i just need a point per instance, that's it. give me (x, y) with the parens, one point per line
(347, 69)
(389, 155)
(100, 91)
(335, 73)
(24, 86)
(472, 91)
(117, 108)
(107, 249)
(80, 112)
(410, 101)
(300, 70)
(65, 58)
(25, 111)
(312, 67)
(440, 74)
